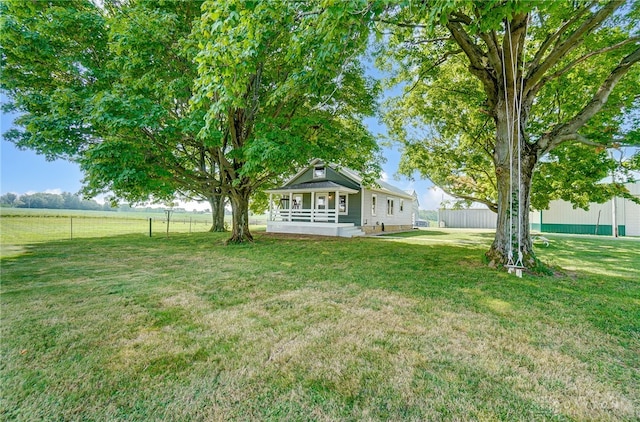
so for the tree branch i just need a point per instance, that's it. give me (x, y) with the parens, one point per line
(403, 24)
(579, 60)
(551, 38)
(568, 130)
(513, 42)
(431, 40)
(559, 51)
(490, 40)
(476, 56)
(460, 17)
(433, 66)
(492, 205)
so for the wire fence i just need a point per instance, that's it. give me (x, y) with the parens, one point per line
(24, 229)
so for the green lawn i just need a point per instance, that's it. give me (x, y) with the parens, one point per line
(20, 226)
(387, 328)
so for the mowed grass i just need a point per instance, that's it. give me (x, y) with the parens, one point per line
(308, 328)
(23, 226)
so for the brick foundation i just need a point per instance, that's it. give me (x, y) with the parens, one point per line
(387, 229)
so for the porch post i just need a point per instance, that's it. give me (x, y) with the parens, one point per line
(336, 204)
(290, 205)
(313, 204)
(270, 207)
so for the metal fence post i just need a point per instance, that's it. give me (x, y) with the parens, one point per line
(168, 213)
(150, 231)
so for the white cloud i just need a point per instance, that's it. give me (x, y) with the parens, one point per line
(193, 205)
(56, 191)
(433, 198)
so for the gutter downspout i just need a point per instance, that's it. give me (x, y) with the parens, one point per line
(361, 206)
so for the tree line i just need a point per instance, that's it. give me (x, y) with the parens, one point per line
(506, 103)
(70, 201)
(64, 200)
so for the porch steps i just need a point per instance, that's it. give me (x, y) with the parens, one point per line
(351, 231)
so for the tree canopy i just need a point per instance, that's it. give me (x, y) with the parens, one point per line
(224, 97)
(202, 100)
(108, 88)
(498, 94)
(283, 85)
(443, 118)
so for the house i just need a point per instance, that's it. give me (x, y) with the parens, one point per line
(324, 199)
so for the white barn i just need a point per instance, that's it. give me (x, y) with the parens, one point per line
(561, 217)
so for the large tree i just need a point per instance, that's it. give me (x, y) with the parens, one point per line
(283, 84)
(109, 87)
(494, 91)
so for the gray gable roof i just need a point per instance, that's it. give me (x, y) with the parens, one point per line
(328, 185)
(325, 184)
(315, 186)
(393, 189)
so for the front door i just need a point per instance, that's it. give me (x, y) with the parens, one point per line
(321, 206)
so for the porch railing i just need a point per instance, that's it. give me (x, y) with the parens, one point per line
(305, 215)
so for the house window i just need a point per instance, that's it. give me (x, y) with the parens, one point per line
(319, 172)
(402, 205)
(343, 204)
(390, 206)
(374, 200)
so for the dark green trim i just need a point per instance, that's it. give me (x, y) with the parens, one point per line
(603, 229)
(331, 175)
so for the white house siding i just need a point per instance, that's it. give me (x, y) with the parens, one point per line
(400, 220)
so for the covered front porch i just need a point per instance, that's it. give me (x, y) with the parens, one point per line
(320, 208)
(319, 229)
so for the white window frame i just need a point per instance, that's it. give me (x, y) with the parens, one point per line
(346, 204)
(390, 206)
(374, 204)
(320, 172)
(324, 195)
(401, 205)
(297, 201)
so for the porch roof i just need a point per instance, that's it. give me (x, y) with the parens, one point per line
(320, 186)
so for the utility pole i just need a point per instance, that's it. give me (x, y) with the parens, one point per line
(614, 222)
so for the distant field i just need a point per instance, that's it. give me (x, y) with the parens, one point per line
(307, 328)
(20, 226)
(32, 212)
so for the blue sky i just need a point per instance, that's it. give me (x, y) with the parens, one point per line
(27, 172)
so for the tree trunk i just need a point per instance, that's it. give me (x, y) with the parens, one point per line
(217, 213)
(240, 226)
(512, 243)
